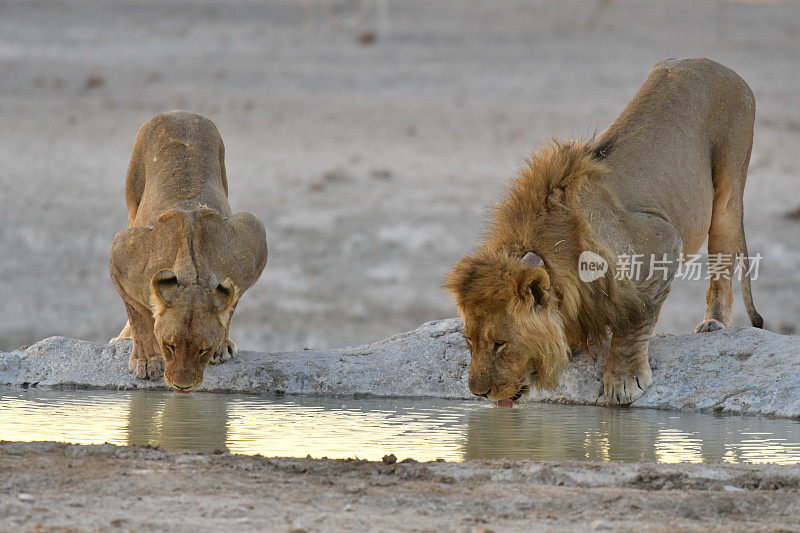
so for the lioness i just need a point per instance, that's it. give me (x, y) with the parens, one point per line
(667, 173)
(185, 260)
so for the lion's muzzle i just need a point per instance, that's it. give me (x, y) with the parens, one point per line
(183, 380)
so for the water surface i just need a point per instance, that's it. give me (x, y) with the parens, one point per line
(370, 428)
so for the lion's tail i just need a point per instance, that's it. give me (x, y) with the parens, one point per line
(747, 292)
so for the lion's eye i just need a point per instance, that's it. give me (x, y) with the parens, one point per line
(170, 348)
(469, 343)
(499, 346)
(205, 352)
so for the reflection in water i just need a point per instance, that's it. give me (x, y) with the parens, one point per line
(178, 421)
(371, 428)
(557, 432)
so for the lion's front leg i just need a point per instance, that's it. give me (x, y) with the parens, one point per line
(228, 348)
(627, 371)
(146, 361)
(224, 353)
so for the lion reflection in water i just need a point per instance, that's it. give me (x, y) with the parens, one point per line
(196, 422)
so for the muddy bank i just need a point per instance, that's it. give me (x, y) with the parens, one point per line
(47, 486)
(737, 370)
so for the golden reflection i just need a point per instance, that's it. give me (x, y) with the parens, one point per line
(290, 429)
(24, 417)
(758, 448)
(674, 446)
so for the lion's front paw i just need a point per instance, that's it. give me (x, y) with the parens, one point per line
(151, 368)
(709, 325)
(225, 352)
(624, 390)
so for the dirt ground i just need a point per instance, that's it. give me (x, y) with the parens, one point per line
(371, 165)
(58, 487)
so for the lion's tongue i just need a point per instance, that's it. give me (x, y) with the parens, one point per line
(508, 402)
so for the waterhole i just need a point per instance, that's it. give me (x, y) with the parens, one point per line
(423, 429)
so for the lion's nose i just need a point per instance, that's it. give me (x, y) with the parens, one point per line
(479, 386)
(184, 379)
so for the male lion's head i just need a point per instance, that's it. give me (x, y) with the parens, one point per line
(512, 325)
(191, 324)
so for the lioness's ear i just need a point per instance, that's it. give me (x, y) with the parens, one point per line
(226, 295)
(533, 283)
(164, 286)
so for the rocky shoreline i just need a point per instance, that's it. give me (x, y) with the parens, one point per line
(735, 370)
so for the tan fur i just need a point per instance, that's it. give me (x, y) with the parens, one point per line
(185, 259)
(644, 186)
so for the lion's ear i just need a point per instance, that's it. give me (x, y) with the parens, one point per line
(226, 295)
(165, 287)
(459, 280)
(533, 283)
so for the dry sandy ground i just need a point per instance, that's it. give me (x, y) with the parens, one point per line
(372, 166)
(57, 487)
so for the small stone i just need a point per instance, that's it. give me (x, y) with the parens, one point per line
(380, 174)
(93, 82)
(602, 525)
(389, 459)
(731, 488)
(25, 497)
(367, 37)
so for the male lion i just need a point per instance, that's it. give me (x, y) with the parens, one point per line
(667, 173)
(185, 260)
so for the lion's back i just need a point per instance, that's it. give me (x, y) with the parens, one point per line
(177, 163)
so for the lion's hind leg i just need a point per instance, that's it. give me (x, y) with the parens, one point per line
(723, 245)
(125, 335)
(725, 236)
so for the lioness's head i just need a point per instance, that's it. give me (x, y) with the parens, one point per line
(191, 324)
(512, 324)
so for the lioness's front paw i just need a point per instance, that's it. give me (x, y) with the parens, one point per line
(624, 390)
(144, 368)
(225, 352)
(709, 325)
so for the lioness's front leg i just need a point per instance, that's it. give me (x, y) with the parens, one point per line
(224, 353)
(228, 348)
(146, 361)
